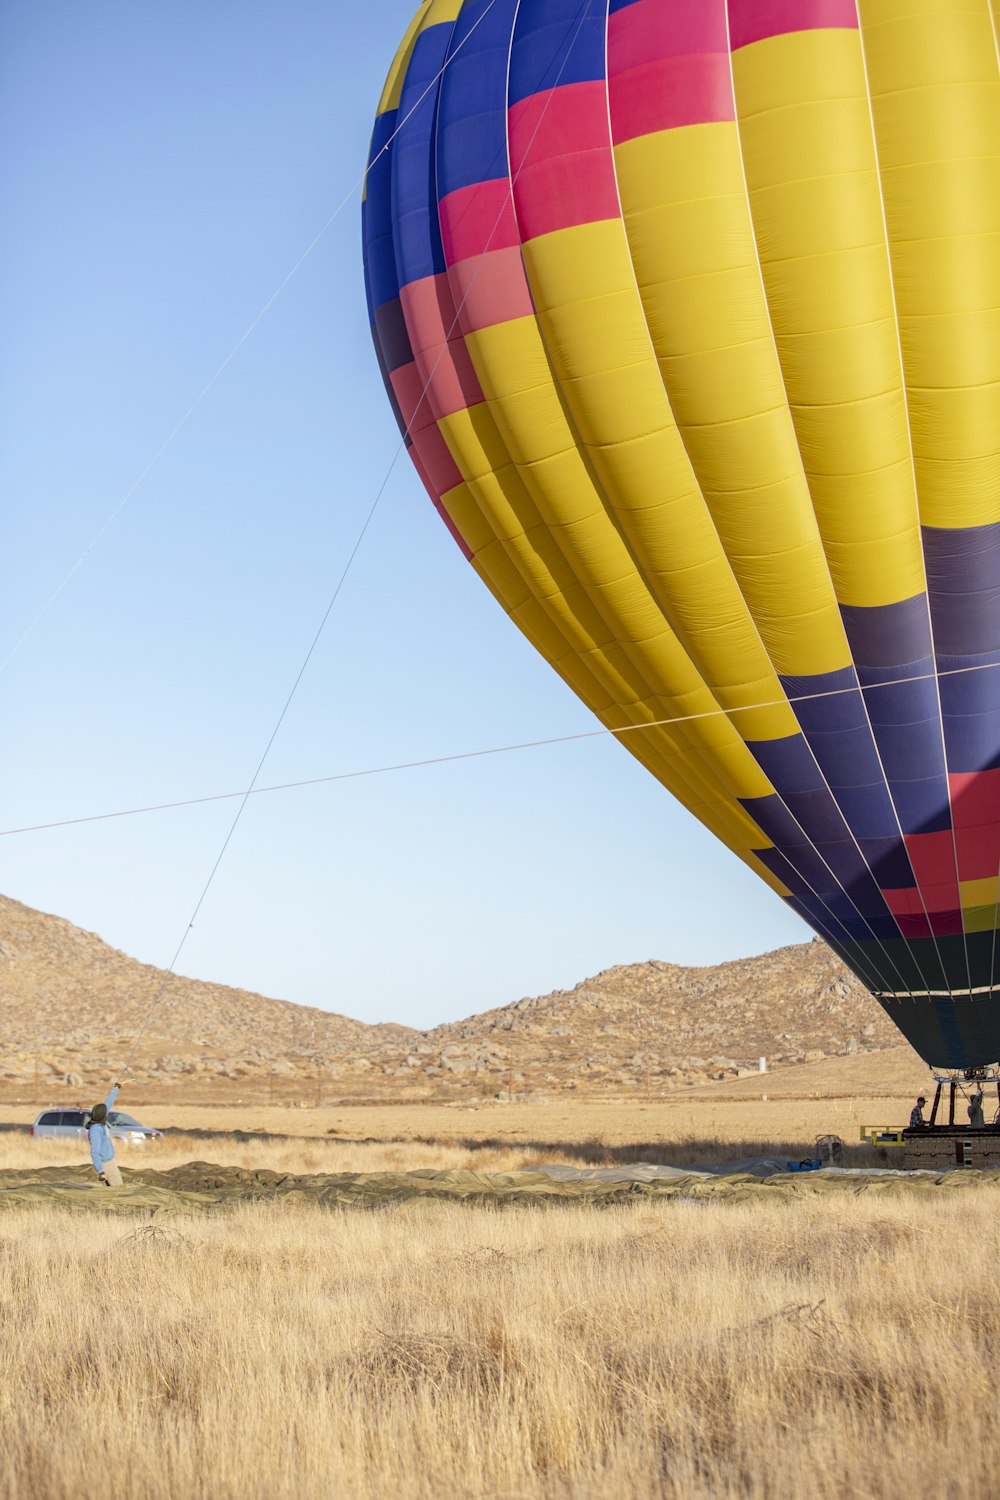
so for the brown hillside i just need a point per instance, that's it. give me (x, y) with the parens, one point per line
(71, 1006)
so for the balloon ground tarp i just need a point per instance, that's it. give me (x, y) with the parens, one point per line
(201, 1188)
(690, 317)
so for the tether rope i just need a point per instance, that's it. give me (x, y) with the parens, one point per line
(441, 760)
(245, 796)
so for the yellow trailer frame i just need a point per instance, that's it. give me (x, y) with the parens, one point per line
(882, 1135)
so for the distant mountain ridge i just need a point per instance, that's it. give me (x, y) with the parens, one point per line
(70, 1006)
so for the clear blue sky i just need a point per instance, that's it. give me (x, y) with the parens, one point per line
(162, 167)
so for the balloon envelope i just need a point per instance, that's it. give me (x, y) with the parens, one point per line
(690, 315)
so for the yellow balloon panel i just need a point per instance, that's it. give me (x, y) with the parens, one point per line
(690, 316)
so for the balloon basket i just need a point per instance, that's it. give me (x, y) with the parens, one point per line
(946, 1142)
(940, 1148)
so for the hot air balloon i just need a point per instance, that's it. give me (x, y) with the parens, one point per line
(689, 312)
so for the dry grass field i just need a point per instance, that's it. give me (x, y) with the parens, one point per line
(843, 1347)
(836, 1095)
(304, 1154)
(382, 1139)
(805, 1345)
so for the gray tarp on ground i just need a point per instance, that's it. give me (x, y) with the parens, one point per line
(200, 1187)
(644, 1171)
(641, 1171)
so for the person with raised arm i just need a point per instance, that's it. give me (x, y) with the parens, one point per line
(102, 1147)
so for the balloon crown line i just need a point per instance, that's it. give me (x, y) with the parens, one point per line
(462, 755)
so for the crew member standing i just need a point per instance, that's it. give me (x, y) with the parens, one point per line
(102, 1147)
(917, 1114)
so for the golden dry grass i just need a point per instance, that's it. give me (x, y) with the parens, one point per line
(822, 1346)
(836, 1094)
(301, 1154)
(282, 1154)
(703, 1125)
(837, 1347)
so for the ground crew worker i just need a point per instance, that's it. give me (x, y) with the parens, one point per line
(102, 1147)
(917, 1113)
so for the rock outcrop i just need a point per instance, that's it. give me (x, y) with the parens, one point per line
(70, 1005)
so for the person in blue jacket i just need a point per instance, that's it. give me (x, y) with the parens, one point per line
(102, 1147)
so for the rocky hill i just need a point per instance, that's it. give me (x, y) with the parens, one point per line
(70, 1006)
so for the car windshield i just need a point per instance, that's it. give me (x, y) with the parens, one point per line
(115, 1117)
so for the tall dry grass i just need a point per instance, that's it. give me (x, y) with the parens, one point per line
(704, 1113)
(287, 1154)
(312, 1154)
(832, 1347)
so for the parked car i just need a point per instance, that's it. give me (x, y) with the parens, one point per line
(69, 1124)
